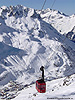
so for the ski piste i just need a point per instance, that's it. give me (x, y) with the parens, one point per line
(14, 88)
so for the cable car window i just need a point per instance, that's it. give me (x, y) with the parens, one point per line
(42, 87)
(38, 86)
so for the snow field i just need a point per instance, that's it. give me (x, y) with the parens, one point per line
(28, 42)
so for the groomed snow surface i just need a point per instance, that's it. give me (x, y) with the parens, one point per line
(29, 41)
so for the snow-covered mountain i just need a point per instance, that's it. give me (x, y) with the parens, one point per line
(28, 41)
(63, 23)
(71, 34)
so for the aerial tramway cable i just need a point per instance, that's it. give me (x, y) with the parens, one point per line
(53, 4)
(43, 5)
(40, 13)
(63, 40)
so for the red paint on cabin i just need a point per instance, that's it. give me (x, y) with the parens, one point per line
(41, 86)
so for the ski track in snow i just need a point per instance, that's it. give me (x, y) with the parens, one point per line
(28, 41)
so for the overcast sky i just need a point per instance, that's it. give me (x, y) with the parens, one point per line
(65, 6)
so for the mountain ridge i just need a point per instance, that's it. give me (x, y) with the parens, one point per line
(28, 42)
(23, 32)
(57, 19)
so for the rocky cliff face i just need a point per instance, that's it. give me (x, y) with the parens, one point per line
(71, 34)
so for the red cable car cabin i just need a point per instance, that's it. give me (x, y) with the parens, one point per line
(40, 84)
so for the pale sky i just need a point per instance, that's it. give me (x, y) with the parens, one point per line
(65, 6)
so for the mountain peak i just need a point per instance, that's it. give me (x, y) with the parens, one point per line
(28, 40)
(17, 11)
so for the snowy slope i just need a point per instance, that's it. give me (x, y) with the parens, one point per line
(27, 42)
(56, 89)
(63, 23)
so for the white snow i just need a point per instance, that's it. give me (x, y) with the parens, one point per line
(55, 90)
(60, 21)
(28, 42)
